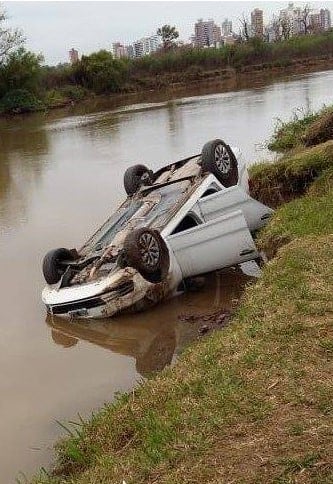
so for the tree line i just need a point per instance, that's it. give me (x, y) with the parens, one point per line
(26, 84)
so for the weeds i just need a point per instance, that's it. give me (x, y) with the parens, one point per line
(288, 135)
(304, 129)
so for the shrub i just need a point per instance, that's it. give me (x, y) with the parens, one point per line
(74, 93)
(20, 101)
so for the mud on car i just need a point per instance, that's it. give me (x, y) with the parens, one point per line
(188, 218)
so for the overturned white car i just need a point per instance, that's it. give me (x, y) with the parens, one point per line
(188, 218)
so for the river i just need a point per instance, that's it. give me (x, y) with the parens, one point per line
(60, 177)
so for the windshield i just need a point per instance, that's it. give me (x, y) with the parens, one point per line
(111, 227)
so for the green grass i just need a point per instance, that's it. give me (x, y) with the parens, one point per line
(304, 129)
(251, 401)
(290, 177)
(323, 184)
(308, 215)
(288, 135)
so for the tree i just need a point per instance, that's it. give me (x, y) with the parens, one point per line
(21, 70)
(304, 19)
(168, 35)
(276, 27)
(10, 39)
(101, 72)
(245, 28)
(286, 28)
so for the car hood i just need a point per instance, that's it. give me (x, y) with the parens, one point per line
(55, 295)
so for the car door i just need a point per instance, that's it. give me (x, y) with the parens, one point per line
(222, 242)
(231, 199)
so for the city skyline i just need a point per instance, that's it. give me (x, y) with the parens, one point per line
(53, 28)
(287, 22)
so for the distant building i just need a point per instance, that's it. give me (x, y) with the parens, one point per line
(119, 50)
(298, 23)
(73, 56)
(138, 48)
(154, 43)
(257, 23)
(270, 32)
(320, 20)
(325, 19)
(226, 28)
(192, 40)
(151, 44)
(314, 22)
(145, 46)
(229, 40)
(130, 51)
(292, 20)
(207, 33)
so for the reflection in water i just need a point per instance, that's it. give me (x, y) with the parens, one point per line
(152, 347)
(154, 339)
(22, 159)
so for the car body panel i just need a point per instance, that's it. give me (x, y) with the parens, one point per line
(221, 242)
(235, 198)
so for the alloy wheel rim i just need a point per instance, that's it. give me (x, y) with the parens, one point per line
(149, 249)
(222, 159)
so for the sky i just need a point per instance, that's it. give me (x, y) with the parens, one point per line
(53, 28)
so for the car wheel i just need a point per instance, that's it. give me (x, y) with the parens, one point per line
(54, 264)
(136, 176)
(217, 158)
(146, 251)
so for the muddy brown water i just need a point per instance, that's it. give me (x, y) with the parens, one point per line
(60, 177)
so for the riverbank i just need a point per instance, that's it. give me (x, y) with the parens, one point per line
(251, 403)
(170, 86)
(99, 74)
(218, 80)
(211, 81)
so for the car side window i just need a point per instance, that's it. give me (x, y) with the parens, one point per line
(186, 223)
(210, 191)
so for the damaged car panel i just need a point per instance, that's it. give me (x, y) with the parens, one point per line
(188, 218)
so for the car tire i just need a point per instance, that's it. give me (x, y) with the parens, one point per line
(217, 158)
(146, 251)
(136, 176)
(53, 269)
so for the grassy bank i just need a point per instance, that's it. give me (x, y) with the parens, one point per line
(305, 129)
(252, 403)
(275, 184)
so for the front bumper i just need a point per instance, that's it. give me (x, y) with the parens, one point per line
(97, 305)
(97, 299)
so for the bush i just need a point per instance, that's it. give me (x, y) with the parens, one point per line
(74, 93)
(20, 101)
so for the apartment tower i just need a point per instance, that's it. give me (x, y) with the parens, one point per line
(257, 23)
